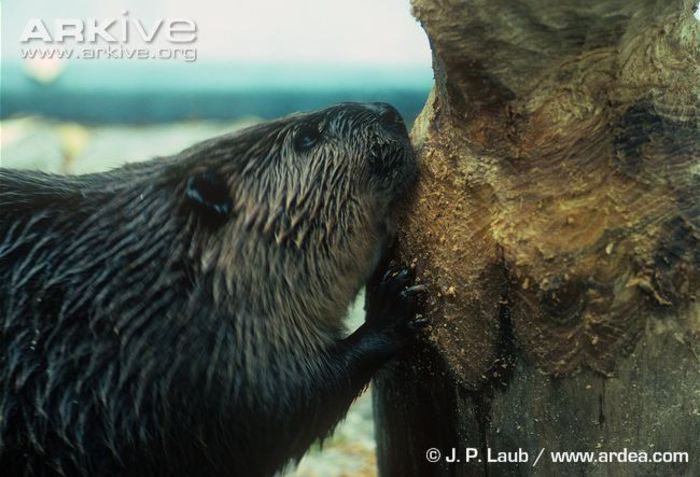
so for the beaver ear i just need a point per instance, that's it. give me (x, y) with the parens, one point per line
(208, 194)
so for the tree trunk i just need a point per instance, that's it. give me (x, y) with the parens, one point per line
(557, 224)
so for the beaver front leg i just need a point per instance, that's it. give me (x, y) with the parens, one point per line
(348, 366)
(390, 323)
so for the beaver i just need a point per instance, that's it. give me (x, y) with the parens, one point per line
(184, 315)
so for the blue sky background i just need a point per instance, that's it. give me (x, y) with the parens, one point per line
(357, 32)
(254, 57)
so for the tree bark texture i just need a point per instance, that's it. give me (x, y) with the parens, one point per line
(557, 224)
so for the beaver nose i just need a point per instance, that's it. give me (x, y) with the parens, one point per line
(390, 119)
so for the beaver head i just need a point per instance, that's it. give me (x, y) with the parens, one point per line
(307, 202)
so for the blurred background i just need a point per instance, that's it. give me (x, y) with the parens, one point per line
(73, 106)
(126, 91)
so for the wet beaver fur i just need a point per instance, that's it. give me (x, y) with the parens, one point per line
(183, 316)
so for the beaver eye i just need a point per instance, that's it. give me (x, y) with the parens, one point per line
(306, 137)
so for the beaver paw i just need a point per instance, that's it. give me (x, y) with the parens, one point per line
(392, 304)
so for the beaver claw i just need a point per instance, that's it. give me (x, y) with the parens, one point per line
(392, 304)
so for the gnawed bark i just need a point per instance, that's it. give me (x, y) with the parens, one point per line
(558, 225)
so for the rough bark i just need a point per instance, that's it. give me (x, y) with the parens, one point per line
(557, 224)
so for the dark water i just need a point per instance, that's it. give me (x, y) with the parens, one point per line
(93, 92)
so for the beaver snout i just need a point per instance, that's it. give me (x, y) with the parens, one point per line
(390, 120)
(391, 158)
